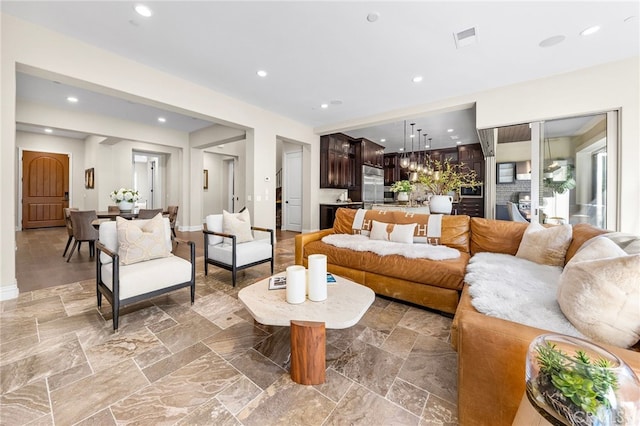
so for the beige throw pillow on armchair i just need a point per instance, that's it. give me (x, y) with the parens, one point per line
(238, 224)
(599, 293)
(141, 240)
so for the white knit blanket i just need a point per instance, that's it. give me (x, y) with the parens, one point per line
(517, 290)
(384, 248)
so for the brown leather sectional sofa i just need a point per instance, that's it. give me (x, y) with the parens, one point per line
(491, 351)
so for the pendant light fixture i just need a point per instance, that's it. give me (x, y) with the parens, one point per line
(429, 169)
(415, 158)
(419, 165)
(404, 158)
(412, 158)
(426, 162)
(552, 165)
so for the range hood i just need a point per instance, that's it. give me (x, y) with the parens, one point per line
(523, 170)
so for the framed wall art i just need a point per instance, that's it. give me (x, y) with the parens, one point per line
(206, 179)
(89, 178)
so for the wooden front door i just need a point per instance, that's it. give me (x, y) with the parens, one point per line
(45, 189)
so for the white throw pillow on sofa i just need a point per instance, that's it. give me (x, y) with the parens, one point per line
(392, 232)
(599, 292)
(545, 246)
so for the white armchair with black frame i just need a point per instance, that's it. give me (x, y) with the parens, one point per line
(229, 243)
(135, 262)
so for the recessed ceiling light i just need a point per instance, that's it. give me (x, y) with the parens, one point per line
(324, 106)
(427, 146)
(162, 119)
(47, 130)
(449, 130)
(261, 73)
(417, 79)
(143, 10)
(552, 41)
(454, 137)
(591, 30)
(72, 99)
(459, 142)
(220, 146)
(400, 149)
(383, 140)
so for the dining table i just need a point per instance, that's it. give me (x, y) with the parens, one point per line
(112, 215)
(106, 216)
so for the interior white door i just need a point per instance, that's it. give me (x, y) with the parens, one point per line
(231, 185)
(292, 191)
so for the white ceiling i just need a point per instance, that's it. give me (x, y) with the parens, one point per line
(328, 52)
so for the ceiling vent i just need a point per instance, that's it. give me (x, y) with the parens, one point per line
(466, 37)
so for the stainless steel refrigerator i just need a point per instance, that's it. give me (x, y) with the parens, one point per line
(372, 186)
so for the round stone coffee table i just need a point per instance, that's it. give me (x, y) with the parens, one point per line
(346, 303)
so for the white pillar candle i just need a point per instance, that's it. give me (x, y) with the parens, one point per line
(317, 277)
(296, 284)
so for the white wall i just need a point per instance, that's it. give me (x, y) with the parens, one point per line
(91, 159)
(215, 156)
(34, 49)
(214, 197)
(513, 151)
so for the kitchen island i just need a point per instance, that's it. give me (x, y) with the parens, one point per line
(328, 211)
(414, 208)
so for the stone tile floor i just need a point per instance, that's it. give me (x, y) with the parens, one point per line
(210, 363)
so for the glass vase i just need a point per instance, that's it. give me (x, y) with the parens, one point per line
(571, 381)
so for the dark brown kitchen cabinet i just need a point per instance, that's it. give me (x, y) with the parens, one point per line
(442, 155)
(336, 151)
(328, 212)
(473, 158)
(391, 163)
(473, 207)
(372, 153)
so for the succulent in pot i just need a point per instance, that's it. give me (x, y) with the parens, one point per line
(571, 381)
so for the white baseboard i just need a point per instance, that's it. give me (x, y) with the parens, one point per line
(190, 228)
(8, 292)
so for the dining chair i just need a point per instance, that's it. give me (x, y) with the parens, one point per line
(173, 215)
(148, 213)
(67, 222)
(514, 213)
(83, 230)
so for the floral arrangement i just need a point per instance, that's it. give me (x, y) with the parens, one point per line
(125, 194)
(402, 186)
(441, 178)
